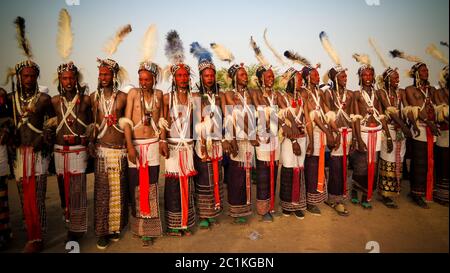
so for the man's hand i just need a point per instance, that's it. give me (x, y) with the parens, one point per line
(361, 146)
(234, 148)
(132, 153)
(406, 131)
(296, 148)
(164, 149)
(226, 147)
(310, 148)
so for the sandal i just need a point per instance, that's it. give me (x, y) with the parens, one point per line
(355, 199)
(146, 241)
(240, 220)
(365, 203)
(213, 221)
(187, 232)
(388, 202)
(174, 232)
(204, 224)
(338, 207)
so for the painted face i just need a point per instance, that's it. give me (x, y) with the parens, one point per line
(182, 78)
(146, 80)
(367, 77)
(208, 77)
(342, 79)
(394, 79)
(423, 72)
(269, 78)
(242, 77)
(68, 80)
(314, 77)
(299, 79)
(105, 77)
(29, 78)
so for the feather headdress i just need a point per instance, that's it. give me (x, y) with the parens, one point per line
(222, 53)
(400, 54)
(148, 48)
(363, 59)
(258, 54)
(174, 48)
(64, 38)
(329, 48)
(275, 53)
(203, 56)
(113, 44)
(25, 46)
(379, 54)
(22, 39)
(149, 44)
(436, 53)
(296, 58)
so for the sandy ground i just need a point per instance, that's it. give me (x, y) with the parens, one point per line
(407, 229)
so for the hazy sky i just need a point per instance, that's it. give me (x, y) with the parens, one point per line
(409, 25)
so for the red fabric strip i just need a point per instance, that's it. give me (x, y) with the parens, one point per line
(344, 160)
(215, 165)
(30, 209)
(272, 182)
(144, 182)
(371, 163)
(321, 170)
(430, 180)
(184, 191)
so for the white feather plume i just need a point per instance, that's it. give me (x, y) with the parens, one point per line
(222, 53)
(362, 58)
(64, 39)
(378, 52)
(436, 53)
(149, 43)
(275, 53)
(329, 48)
(258, 54)
(112, 45)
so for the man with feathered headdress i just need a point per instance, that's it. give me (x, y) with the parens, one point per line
(267, 102)
(73, 114)
(392, 102)
(208, 146)
(369, 123)
(108, 146)
(440, 98)
(30, 108)
(293, 145)
(319, 131)
(6, 134)
(420, 106)
(340, 101)
(239, 123)
(142, 115)
(177, 143)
